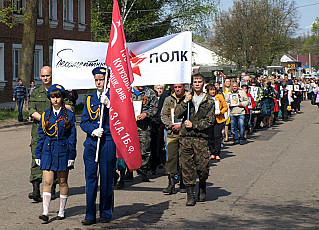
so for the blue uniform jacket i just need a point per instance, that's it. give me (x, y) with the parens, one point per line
(55, 151)
(88, 124)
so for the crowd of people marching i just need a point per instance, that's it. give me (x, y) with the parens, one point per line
(242, 105)
(180, 129)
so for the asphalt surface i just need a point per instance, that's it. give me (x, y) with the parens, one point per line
(272, 182)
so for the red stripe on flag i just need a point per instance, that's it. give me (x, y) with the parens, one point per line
(122, 119)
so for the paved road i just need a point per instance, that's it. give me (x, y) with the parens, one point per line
(272, 182)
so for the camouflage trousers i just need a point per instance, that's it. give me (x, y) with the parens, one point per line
(194, 159)
(144, 137)
(36, 173)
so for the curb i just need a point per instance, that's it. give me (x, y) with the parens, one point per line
(16, 124)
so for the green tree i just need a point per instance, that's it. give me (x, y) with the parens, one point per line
(255, 32)
(315, 27)
(6, 13)
(311, 45)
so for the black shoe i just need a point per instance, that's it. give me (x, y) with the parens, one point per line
(243, 142)
(171, 186)
(129, 176)
(139, 171)
(190, 196)
(35, 194)
(88, 222)
(145, 178)
(44, 217)
(60, 217)
(105, 220)
(236, 143)
(202, 192)
(120, 184)
(153, 172)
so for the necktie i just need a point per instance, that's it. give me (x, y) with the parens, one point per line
(55, 113)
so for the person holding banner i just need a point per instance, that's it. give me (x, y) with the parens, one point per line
(56, 148)
(149, 108)
(194, 134)
(104, 167)
(215, 134)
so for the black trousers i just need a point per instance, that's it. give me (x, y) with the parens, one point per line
(215, 138)
(284, 112)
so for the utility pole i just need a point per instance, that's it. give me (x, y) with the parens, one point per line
(309, 63)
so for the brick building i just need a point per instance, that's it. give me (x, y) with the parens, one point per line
(57, 19)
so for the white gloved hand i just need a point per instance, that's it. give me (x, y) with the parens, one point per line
(105, 101)
(70, 163)
(97, 132)
(38, 162)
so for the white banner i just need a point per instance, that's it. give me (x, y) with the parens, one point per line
(165, 60)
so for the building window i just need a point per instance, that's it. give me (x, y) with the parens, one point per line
(18, 6)
(53, 15)
(53, 10)
(68, 23)
(68, 10)
(81, 11)
(40, 15)
(16, 55)
(38, 60)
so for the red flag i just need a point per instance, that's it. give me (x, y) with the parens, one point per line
(223, 75)
(122, 119)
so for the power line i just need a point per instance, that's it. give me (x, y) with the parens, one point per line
(313, 4)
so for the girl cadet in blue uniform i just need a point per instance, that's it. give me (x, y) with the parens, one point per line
(106, 162)
(56, 149)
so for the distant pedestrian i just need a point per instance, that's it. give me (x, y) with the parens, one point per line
(31, 88)
(20, 95)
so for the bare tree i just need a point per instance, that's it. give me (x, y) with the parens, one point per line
(255, 32)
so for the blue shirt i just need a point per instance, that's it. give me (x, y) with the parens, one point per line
(20, 92)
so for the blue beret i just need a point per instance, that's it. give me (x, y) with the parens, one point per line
(56, 87)
(99, 70)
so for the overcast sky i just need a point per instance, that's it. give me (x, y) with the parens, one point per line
(307, 14)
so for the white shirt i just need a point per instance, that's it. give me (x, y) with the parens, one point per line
(56, 112)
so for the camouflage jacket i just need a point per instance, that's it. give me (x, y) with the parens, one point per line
(170, 102)
(201, 121)
(149, 106)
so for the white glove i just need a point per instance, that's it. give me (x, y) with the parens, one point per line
(38, 162)
(105, 101)
(70, 163)
(97, 132)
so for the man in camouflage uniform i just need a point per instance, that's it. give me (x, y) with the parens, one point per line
(173, 136)
(37, 104)
(149, 109)
(194, 132)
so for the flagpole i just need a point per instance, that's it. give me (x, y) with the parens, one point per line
(189, 88)
(101, 119)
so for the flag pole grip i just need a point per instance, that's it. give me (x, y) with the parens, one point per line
(101, 121)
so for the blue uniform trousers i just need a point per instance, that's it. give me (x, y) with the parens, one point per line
(107, 164)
